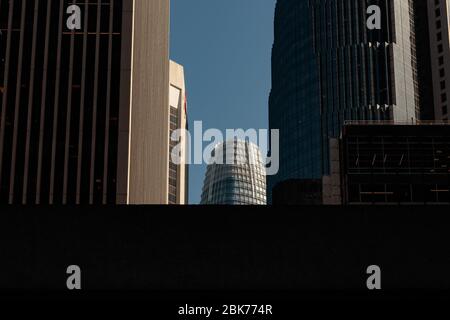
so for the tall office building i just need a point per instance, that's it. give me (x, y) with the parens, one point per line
(238, 182)
(84, 112)
(328, 67)
(178, 144)
(433, 23)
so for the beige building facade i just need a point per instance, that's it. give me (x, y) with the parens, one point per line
(156, 107)
(178, 142)
(143, 147)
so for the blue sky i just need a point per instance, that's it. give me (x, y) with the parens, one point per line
(225, 48)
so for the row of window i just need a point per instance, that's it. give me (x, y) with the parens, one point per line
(173, 168)
(440, 48)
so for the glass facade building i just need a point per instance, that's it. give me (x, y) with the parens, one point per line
(328, 67)
(239, 181)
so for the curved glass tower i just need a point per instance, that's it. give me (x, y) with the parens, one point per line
(238, 176)
(328, 67)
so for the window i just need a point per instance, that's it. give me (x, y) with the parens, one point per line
(175, 100)
(438, 12)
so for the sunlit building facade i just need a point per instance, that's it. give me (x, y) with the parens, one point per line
(177, 165)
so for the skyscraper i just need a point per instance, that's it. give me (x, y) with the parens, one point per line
(328, 67)
(433, 23)
(238, 182)
(84, 113)
(178, 172)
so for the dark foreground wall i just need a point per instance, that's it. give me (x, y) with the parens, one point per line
(192, 248)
